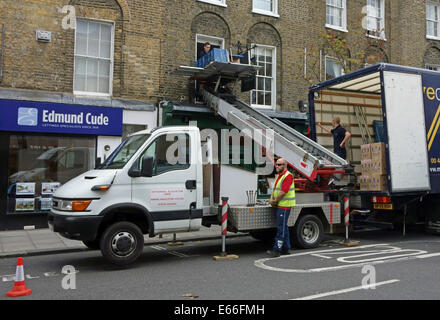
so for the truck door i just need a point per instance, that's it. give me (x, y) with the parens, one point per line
(170, 194)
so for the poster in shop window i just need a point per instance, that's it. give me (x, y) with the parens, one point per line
(25, 189)
(45, 204)
(25, 204)
(49, 187)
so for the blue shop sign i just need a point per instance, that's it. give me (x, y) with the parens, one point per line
(33, 116)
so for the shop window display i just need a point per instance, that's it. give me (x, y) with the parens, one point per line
(38, 165)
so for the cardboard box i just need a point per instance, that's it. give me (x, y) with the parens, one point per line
(364, 182)
(365, 152)
(377, 151)
(378, 167)
(378, 182)
(366, 167)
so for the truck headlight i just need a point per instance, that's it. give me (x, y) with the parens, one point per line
(75, 205)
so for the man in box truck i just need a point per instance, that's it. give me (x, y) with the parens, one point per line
(340, 137)
(283, 198)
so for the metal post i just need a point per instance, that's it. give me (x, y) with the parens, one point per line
(223, 255)
(346, 217)
(347, 242)
(224, 224)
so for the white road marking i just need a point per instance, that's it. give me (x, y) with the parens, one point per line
(429, 255)
(174, 253)
(394, 254)
(336, 292)
(320, 256)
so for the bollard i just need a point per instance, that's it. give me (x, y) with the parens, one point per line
(347, 242)
(175, 242)
(224, 228)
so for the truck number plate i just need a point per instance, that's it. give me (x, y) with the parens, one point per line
(383, 206)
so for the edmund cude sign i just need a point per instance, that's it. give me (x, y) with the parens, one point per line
(49, 117)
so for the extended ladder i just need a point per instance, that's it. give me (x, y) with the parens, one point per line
(304, 154)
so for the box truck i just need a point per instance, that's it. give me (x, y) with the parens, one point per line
(393, 114)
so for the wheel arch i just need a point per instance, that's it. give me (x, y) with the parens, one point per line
(129, 212)
(318, 212)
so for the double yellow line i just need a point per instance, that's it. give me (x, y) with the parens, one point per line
(433, 131)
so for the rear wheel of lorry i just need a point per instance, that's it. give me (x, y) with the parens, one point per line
(122, 243)
(308, 232)
(93, 244)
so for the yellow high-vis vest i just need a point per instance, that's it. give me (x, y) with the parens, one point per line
(289, 198)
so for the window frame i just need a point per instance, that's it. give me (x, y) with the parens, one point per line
(325, 66)
(273, 13)
(173, 167)
(377, 34)
(274, 79)
(221, 3)
(432, 65)
(88, 93)
(207, 38)
(428, 36)
(342, 28)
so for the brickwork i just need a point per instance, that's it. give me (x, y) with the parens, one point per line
(152, 38)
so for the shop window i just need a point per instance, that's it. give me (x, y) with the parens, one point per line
(128, 129)
(38, 165)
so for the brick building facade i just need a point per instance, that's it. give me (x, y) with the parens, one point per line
(122, 54)
(152, 38)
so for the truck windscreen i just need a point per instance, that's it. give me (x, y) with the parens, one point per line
(124, 152)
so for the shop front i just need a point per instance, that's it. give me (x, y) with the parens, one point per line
(42, 146)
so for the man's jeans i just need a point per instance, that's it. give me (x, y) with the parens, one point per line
(282, 239)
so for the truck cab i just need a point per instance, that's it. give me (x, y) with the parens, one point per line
(151, 184)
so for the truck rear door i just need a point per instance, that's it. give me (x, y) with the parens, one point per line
(405, 123)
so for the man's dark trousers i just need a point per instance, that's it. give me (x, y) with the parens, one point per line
(282, 239)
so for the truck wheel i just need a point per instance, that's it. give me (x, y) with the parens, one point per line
(308, 232)
(93, 244)
(122, 243)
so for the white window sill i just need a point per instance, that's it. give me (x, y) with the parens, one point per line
(216, 3)
(258, 106)
(266, 13)
(336, 28)
(85, 94)
(432, 37)
(376, 37)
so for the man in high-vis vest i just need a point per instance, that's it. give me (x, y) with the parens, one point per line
(283, 199)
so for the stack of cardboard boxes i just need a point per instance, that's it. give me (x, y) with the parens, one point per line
(373, 167)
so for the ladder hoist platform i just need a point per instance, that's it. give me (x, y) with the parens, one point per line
(306, 156)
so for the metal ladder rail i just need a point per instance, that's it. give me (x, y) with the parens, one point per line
(363, 127)
(239, 116)
(291, 134)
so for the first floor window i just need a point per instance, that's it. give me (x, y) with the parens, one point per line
(265, 7)
(432, 20)
(336, 13)
(264, 93)
(333, 68)
(376, 17)
(93, 57)
(434, 67)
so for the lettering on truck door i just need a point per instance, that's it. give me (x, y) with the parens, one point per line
(165, 194)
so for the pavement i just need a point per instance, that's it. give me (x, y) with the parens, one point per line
(44, 241)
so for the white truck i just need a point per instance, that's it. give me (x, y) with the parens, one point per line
(138, 191)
